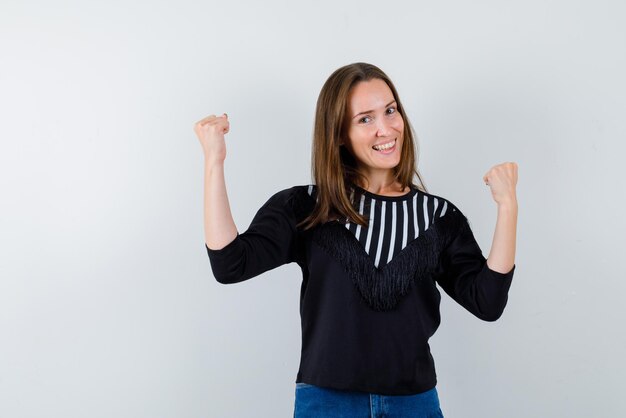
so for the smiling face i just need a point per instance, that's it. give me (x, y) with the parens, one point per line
(374, 128)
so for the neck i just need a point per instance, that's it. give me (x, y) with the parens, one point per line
(382, 184)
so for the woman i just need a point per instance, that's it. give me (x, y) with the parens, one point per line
(372, 246)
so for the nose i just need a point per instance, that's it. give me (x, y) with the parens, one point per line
(383, 127)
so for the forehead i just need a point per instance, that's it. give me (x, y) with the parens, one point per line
(369, 95)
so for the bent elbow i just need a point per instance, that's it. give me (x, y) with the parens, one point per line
(492, 317)
(492, 314)
(228, 264)
(229, 277)
(223, 279)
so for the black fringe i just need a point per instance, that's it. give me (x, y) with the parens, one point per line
(382, 288)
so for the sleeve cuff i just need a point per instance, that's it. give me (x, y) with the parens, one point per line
(500, 276)
(228, 248)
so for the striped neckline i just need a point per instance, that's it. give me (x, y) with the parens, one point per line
(375, 196)
(393, 221)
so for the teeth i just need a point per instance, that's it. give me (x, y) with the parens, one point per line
(384, 146)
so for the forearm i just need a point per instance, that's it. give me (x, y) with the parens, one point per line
(502, 255)
(219, 226)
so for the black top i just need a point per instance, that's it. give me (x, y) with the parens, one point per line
(369, 305)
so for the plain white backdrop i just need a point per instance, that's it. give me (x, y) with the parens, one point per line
(108, 307)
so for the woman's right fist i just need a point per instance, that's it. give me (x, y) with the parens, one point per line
(210, 132)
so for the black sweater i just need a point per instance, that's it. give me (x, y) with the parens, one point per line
(366, 324)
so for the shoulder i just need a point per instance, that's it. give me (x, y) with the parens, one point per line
(442, 204)
(449, 218)
(297, 192)
(298, 200)
(452, 222)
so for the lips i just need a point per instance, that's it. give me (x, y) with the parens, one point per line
(389, 145)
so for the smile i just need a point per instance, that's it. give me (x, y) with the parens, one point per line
(385, 148)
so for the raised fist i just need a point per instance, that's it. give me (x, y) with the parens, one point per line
(210, 132)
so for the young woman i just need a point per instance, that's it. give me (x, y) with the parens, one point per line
(372, 245)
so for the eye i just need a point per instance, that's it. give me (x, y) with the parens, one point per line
(391, 110)
(364, 119)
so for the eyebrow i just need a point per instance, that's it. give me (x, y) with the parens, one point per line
(370, 111)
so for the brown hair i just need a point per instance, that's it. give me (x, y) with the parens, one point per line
(333, 168)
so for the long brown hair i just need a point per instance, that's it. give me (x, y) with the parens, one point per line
(333, 168)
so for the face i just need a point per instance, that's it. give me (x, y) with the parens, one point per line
(375, 128)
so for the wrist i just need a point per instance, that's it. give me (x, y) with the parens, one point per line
(509, 205)
(212, 162)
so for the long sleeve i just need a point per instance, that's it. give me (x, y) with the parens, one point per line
(269, 242)
(467, 278)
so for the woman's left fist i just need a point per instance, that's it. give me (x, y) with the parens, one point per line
(502, 180)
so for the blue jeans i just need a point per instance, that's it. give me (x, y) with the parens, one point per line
(315, 401)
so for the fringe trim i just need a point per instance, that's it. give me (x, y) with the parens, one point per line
(382, 288)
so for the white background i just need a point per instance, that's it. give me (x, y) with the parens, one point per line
(108, 307)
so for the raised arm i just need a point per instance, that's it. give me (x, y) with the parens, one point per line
(219, 226)
(480, 284)
(502, 180)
